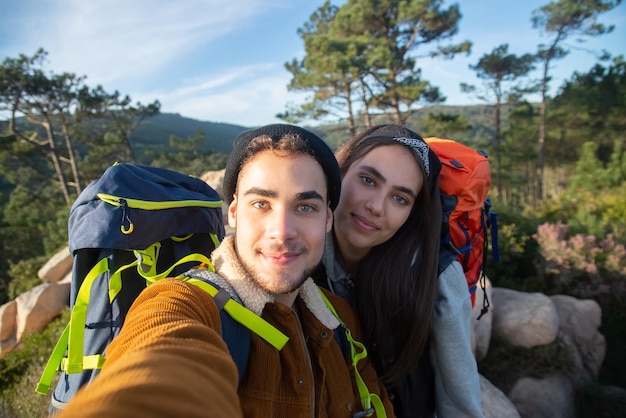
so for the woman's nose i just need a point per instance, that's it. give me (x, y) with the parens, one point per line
(375, 205)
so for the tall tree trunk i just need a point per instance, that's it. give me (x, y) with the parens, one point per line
(497, 147)
(366, 107)
(351, 123)
(542, 133)
(395, 108)
(54, 157)
(71, 156)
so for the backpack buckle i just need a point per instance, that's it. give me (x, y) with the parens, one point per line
(147, 260)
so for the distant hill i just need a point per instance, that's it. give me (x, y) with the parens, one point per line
(155, 132)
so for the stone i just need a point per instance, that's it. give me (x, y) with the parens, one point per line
(40, 305)
(579, 323)
(56, 267)
(524, 319)
(8, 324)
(550, 397)
(481, 329)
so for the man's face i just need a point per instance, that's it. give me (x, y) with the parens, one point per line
(281, 215)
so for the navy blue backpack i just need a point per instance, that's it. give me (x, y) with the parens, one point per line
(132, 226)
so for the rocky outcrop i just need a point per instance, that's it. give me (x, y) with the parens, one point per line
(481, 328)
(517, 318)
(550, 397)
(529, 320)
(579, 323)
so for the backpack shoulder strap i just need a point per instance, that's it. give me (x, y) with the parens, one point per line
(370, 402)
(447, 254)
(237, 321)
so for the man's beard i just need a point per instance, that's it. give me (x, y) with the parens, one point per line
(277, 285)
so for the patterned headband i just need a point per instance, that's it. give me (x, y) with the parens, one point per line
(421, 149)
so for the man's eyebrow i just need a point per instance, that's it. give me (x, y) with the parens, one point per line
(311, 194)
(374, 172)
(260, 192)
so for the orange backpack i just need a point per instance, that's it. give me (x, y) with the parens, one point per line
(464, 183)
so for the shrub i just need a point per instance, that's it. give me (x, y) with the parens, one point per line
(580, 265)
(24, 275)
(20, 371)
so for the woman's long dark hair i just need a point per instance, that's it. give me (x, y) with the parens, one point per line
(396, 284)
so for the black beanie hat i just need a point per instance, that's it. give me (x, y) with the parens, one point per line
(398, 131)
(318, 148)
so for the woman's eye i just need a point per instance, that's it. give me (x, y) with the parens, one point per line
(367, 180)
(401, 200)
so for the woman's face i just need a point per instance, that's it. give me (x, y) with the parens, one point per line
(377, 195)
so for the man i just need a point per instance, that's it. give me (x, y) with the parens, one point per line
(281, 183)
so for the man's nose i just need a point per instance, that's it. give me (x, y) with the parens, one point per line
(282, 224)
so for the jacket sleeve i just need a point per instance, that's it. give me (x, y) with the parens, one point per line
(365, 366)
(168, 360)
(457, 384)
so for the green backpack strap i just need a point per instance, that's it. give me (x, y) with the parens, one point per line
(72, 337)
(370, 402)
(245, 316)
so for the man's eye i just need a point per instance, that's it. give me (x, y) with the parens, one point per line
(306, 208)
(260, 205)
(367, 180)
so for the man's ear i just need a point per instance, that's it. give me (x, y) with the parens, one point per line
(232, 213)
(329, 219)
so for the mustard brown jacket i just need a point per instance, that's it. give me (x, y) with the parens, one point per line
(169, 359)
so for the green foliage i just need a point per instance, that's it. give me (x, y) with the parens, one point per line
(20, 371)
(501, 72)
(363, 54)
(595, 200)
(27, 216)
(446, 126)
(187, 156)
(559, 21)
(24, 275)
(518, 251)
(592, 107)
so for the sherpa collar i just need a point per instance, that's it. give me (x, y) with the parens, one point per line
(228, 266)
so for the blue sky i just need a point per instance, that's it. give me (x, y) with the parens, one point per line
(223, 60)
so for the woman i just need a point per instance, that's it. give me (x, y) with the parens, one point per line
(382, 256)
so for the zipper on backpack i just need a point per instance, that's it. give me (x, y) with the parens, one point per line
(150, 205)
(126, 204)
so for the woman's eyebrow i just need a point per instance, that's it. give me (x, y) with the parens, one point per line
(374, 172)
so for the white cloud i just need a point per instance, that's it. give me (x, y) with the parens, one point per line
(117, 39)
(248, 96)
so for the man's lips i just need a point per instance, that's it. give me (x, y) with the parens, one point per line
(364, 223)
(280, 258)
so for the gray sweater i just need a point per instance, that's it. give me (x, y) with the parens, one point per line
(457, 384)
